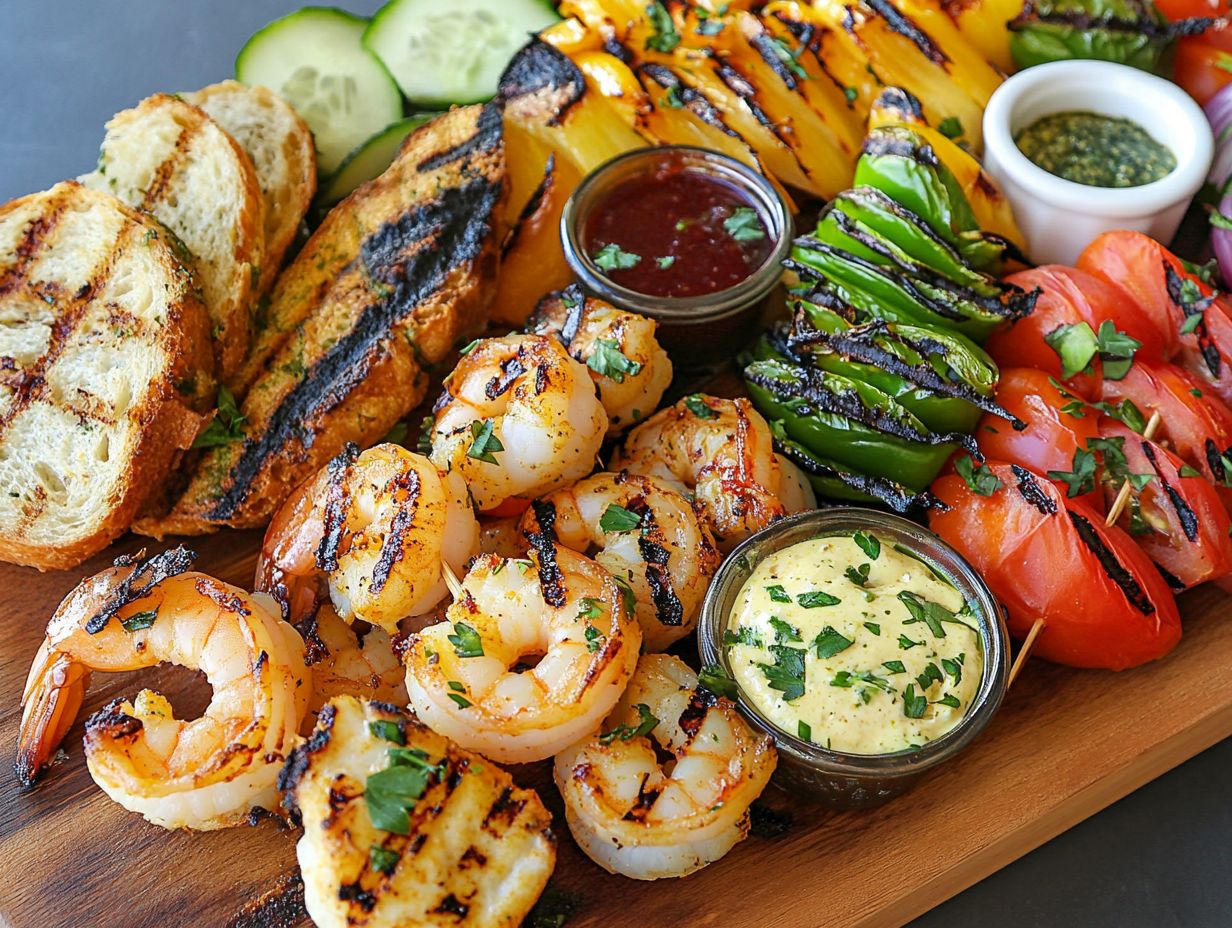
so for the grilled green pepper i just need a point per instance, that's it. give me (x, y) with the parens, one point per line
(850, 422)
(1131, 32)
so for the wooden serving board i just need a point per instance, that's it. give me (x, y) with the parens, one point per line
(1065, 745)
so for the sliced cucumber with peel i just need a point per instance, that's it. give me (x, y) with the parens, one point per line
(369, 160)
(453, 51)
(316, 60)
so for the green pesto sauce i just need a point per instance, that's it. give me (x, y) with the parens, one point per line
(1099, 151)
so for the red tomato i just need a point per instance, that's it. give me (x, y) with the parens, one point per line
(1191, 9)
(514, 506)
(1196, 425)
(1051, 437)
(1201, 68)
(1047, 557)
(1156, 280)
(1177, 520)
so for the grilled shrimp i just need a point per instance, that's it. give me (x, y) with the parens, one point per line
(723, 451)
(518, 418)
(368, 533)
(468, 676)
(635, 816)
(463, 846)
(205, 773)
(345, 662)
(644, 532)
(630, 370)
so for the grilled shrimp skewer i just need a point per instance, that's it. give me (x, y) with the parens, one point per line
(630, 370)
(637, 817)
(558, 606)
(368, 534)
(469, 848)
(205, 773)
(345, 662)
(723, 451)
(518, 418)
(645, 533)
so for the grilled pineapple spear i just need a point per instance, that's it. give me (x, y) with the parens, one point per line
(403, 828)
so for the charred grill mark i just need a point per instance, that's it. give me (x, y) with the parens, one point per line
(472, 856)
(1032, 492)
(1113, 568)
(450, 905)
(353, 892)
(1173, 582)
(33, 240)
(898, 143)
(617, 50)
(406, 493)
(574, 301)
(113, 723)
(221, 596)
(543, 545)
(1142, 25)
(668, 607)
(768, 50)
(510, 370)
(337, 502)
(901, 101)
(456, 225)
(485, 137)
(1214, 460)
(504, 811)
(541, 379)
(742, 87)
(893, 495)
(300, 759)
(168, 168)
(694, 714)
(539, 67)
(1184, 512)
(908, 30)
(259, 667)
(645, 802)
(315, 649)
(1176, 293)
(692, 100)
(137, 585)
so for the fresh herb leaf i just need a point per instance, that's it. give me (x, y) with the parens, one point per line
(382, 860)
(804, 731)
(611, 257)
(607, 360)
(715, 679)
(906, 644)
(1075, 408)
(784, 631)
(645, 725)
(484, 445)
(594, 638)
(665, 37)
(423, 444)
(1082, 478)
(777, 593)
(1220, 221)
(664, 262)
(1076, 345)
(1125, 412)
(1116, 350)
(627, 594)
(949, 699)
(953, 668)
(390, 792)
(894, 666)
(849, 678)
(926, 611)
(226, 427)
(672, 101)
(979, 479)
(850, 93)
(1187, 471)
(913, 705)
(466, 641)
(830, 642)
(138, 621)
(789, 57)
(817, 598)
(458, 689)
(786, 674)
(396, 434)
(950, 127)
(868, 543)
(873, 627)
(932, 674)
(590, 608)
(744, 225)
(1191, 323)
(387, 731)
(696, 404)
(858, 575)
(746, 635)
(618, 519)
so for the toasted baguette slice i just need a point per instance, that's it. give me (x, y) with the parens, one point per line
(478, 851)
(105, 371)
(280, 146)
(169, 159)
(398, 274)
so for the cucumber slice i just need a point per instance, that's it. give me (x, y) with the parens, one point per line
(369, 160)
(453, 51)
(315, 59)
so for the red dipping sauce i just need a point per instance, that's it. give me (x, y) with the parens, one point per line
(676, 232)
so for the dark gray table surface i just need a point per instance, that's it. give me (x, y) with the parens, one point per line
(1158, 859)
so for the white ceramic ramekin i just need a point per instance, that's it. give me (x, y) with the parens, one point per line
(1059, 217)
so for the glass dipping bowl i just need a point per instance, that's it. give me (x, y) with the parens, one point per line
(835, 778)
(697, 330)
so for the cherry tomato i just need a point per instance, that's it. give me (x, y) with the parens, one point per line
(1195, 425)
(1047, 557)
(1177, 517)
(1201, 68)
(1156, 280)
(1191, 9)
(1058, 426)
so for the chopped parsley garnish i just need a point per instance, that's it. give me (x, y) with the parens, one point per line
(913, 705)
(627, 595)
(594, 638)
(664, 262)
(906, 644)
(894, 666)
(607, 360)
(226, 427)
(466, 641)
(786, 674)
(618, 519)
(849, 678)
(951, 127)
(390, 792)
(138, 621)
(868, 543)
(830, 642)
(746, 635)
(458, 689)
(744, 225)
(784, 631)
(790, 59)
(590, 608)
(1125, 412)
(645, 725)
(1187, 471)
(611, 257)
(1077, 345)
(715, 679)
(804, 731)
(697, 405)
(873, 627)
(953, 668)
(928, 612)
(665, 37)
(1081, 479)
(979, 479)
(858, 575)
(932, 674)
(949, 699)
(387, 731)
(1113, 450)
(382, 860)
(484, 444)
(778, 594)
(815, 599)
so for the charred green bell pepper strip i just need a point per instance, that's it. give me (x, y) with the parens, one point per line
(898, 161)
(831, 480)
(895, 294)
(850, 422)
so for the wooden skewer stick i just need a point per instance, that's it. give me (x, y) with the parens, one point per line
(1025, 650)
(451, 579)
(1118, 505)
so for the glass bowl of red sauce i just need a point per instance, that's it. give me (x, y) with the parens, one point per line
(688, 236)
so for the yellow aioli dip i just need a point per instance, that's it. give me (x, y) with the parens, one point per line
(887, 663)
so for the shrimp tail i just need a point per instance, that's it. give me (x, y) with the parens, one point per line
(55, 690)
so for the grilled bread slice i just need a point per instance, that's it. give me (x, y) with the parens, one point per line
(280, 146)
(169, 159)
(105, 371)
(477, 850)
(398, 274)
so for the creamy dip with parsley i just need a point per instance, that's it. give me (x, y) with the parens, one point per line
(854, 644)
